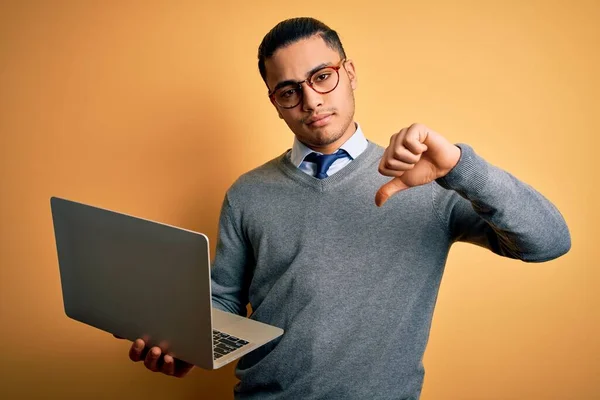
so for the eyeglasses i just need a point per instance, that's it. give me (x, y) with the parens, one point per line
(322, 81)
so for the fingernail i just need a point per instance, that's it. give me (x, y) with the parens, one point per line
(139, 346)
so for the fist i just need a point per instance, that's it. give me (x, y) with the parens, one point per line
(415, 156)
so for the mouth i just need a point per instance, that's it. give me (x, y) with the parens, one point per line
(319, 120)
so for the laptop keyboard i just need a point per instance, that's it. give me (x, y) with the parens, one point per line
(224, 344)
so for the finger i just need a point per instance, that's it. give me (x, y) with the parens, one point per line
(136, 352)
(396, 155)
(384, 157)
(182, 368)
(389, 189)
(394, 136)
(168, 367)
(389, 163)
(151, 360)
(398, 168)
(415, 136)
(402, 153)
(388, 153)
(395, 141)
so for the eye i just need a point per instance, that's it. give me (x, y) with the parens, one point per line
(322, 76)
(287, 93)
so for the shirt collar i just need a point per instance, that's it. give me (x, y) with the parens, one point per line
(354, 146)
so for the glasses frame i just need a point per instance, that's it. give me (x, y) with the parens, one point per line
(336, 68)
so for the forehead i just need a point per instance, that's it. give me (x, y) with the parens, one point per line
(293, 62)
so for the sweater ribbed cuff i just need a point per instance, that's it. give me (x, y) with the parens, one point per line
(468, 176)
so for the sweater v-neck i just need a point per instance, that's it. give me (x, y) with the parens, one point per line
(364, 160)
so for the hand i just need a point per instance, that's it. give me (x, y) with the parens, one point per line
(416, 156)
(155, 361)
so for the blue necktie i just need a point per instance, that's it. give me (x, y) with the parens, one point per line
(324, 161)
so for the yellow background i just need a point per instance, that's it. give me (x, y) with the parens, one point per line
(155, 107)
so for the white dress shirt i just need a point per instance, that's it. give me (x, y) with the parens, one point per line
(353, 146)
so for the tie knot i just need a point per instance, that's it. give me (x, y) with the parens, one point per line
(324, 161)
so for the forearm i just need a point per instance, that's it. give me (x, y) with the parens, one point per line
(521, 223)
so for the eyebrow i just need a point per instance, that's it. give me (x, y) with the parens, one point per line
(308, 75)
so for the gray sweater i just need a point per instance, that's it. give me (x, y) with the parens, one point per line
(354, 286)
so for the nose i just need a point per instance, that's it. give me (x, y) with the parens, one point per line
(311, 100)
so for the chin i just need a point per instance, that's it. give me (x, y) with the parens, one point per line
(318, 136)
(324, 136)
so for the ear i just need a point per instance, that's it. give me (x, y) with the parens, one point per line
(351, 70)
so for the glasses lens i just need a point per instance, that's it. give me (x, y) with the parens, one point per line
(322, 81)
(288, 96)
(325, 80)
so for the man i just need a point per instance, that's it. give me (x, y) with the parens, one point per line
(352, 283)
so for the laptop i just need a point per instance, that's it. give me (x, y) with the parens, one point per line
(137, 278)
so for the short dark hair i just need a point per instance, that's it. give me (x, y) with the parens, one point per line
(292, 30)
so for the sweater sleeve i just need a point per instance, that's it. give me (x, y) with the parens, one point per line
(482, 204)
(232, 264)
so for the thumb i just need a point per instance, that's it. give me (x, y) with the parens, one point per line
(389, 189)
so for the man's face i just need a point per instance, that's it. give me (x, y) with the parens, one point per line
(295, 63)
